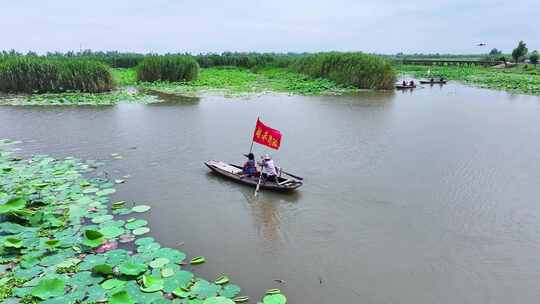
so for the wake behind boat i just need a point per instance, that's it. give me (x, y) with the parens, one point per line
(234, 172)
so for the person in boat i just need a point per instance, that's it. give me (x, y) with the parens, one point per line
(442, 79)
(250, 167)
(269, 172)
(432, 80)
(411, 83)
(404, 83)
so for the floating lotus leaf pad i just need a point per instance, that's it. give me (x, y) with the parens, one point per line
(105, 192)
(49, 244)
(197, 260)
(105, 269)
(48, 288)
(218, 300)
(174, 255)
(273, 291)
(152, 283)
(241, 299)
(230, 291)
(112, 232)
(181, 293)
(112, 283)
(121, 297)
(92, 238)
(222, 280)
(167, 272)
(13, 205)
(12, 242)
(204, 289)
(274, 299)
(68, 263)
(180, 279)
(141, 231)
(132, 269)
(136, 224)
(102, 218)
(159, 262)
(141, 208)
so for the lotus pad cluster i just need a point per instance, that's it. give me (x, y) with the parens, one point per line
(63, 241)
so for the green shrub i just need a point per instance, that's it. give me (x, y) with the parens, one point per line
(351, 69)
(174, 68)
(45, 75)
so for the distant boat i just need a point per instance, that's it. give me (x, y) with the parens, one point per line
(234, 172)
(433, 82)
(405, 87)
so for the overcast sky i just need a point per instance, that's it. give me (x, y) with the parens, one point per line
(380, 26)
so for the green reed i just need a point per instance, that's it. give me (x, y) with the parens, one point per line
(173, 68)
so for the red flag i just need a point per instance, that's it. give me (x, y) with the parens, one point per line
(267, 136)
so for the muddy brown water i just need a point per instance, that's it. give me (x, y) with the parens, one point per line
(430, 196)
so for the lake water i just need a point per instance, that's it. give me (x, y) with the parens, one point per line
(431, 196)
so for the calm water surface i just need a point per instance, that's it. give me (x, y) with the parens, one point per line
(429, 196)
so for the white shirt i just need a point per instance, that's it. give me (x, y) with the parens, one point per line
(268, 167)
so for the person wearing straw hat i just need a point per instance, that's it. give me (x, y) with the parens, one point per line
(268, 169)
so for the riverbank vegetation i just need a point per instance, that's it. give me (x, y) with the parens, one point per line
(63, 240)
(46, 75)
(524, 78)
(168, 68)
(351, 69)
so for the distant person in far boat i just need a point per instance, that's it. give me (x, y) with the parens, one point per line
(269, 172)
(404, 83)
(250, 167)
(442, 79)
(432, 80)
(411, 83)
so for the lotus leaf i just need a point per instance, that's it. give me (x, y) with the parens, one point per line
(167, 272)
(179, 279)
(159, 262)
(141, 231)
(112, 283)
(121, 297)
(105, 269)
(218, 300)
(144, 240)
(105, 192)
(48, 288)
(230, 291)
(141, 208)
(197, 260)
(222, 280)
(12, 205)
(204, 289)
(274, 299)
(51, 244)
(102, 218)
(172, 254)
(132, 269)
(136, 224)
(68, 263)
(111, 232)
(179, 292)
(152, 283)
(12, 242)
(92, 238)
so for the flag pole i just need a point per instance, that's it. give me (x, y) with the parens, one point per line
(251, 147)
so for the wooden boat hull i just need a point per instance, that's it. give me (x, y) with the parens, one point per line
(433, 82)
(234, 172)
(402, 87)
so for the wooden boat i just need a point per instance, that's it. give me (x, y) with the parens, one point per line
(234, 172)
(433, 82)
(405, 87)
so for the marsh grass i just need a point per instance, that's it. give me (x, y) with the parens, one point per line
(46, 75)
(350, 69)
(171, 68)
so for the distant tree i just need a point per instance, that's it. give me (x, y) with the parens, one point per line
(534, 58)
(494, 52)
(503, 59)
(520, 51)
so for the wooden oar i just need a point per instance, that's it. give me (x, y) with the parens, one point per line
(258, 184)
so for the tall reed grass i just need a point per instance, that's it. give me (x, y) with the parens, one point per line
(45, 75)
(174, 68)
(351, 69)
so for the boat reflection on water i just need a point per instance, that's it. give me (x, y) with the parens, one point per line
(264, 209)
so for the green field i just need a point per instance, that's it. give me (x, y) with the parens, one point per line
(523, 79)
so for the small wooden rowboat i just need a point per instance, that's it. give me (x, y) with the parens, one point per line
(234, 172)
(405, 87)
(433, 82)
